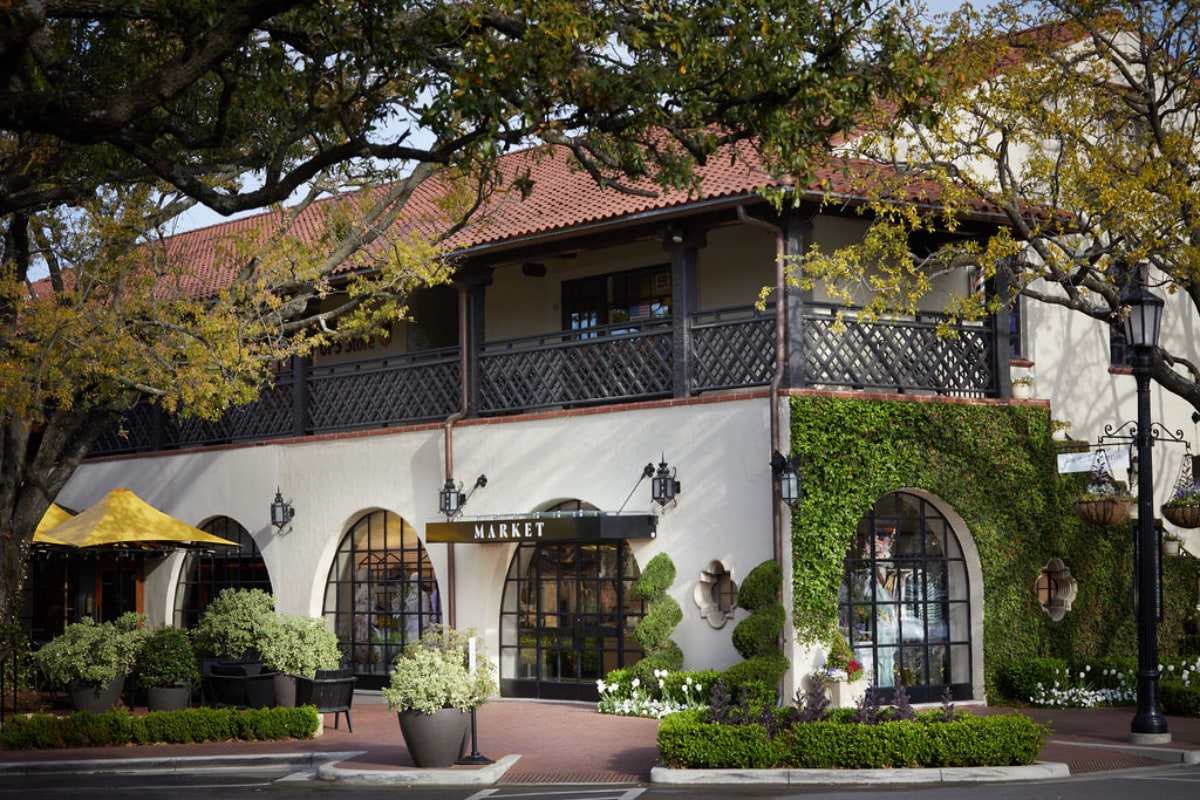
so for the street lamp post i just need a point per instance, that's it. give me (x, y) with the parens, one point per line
(1141, 332)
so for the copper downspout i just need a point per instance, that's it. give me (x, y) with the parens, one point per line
(448, 428)
(777, 378)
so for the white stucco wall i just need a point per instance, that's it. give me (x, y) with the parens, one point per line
(720, 449)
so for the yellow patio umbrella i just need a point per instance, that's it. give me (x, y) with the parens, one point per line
(54, 515)
(121, 517)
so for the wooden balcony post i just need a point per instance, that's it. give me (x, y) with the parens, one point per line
(683, 243)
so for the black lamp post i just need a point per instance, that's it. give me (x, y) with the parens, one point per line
(1141, 333)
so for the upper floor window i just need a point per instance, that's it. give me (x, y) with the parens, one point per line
(634, 297)
(1016, 330)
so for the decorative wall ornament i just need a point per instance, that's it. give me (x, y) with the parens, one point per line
(1055, 589)
(716, 594)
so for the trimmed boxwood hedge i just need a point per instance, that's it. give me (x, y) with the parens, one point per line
(187, 726)
(686, 740)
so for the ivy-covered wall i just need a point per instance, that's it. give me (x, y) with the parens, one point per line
(996, 466)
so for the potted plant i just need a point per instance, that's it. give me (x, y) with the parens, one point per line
(843, 674)
(297, 646)
(1105, 501)
(91, 659)
(434, 682)
(167, 669)
(234, 622)
(1022, 387)
(1183, 509)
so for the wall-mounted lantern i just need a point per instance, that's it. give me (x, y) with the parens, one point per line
(281, 511)
(664, 487)
(787, 476)
(451, 498)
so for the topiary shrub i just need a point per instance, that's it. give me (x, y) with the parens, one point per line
(653, 632)
(756, 637)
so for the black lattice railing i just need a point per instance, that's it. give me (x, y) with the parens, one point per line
(384, 391)
(899, 355)
(732, 347)
(603, 364)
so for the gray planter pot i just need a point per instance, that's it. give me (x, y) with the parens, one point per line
(96, 697)
(168, 698)
(437, 739)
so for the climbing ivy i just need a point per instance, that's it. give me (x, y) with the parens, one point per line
(995, 465)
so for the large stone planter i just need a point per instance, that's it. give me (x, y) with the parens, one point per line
(847, 694)
(94, 696)
(168, 698)
(437, 739)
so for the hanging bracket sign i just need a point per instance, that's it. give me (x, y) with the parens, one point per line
(1118, 458)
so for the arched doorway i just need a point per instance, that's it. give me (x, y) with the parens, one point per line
(206, 572)
(567, 617)
(905, 603)
(381, 593)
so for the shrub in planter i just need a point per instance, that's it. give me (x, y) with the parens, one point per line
(299, 645)
(92, 652)
(433, 672)
(235, 621)
(167, 659)
(663, 614)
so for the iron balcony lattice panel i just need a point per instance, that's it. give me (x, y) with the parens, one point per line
(603, 364)
(899, 355)
(617, 363)
(732, 347)
(384, 391)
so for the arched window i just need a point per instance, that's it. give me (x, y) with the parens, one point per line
(381, 593)
(206, 572)
(905, 601)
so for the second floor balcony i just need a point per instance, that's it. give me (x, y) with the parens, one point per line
(705, 352)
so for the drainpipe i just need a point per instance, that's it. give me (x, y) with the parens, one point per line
(780, 362)
(448, 431)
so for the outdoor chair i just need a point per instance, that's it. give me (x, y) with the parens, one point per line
(242, 686)
(331, 691)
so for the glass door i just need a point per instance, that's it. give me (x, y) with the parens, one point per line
(568, 616)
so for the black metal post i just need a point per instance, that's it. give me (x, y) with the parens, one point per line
(1149, 725)
(475, 757)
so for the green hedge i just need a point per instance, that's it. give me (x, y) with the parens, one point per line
(1179, 699)
(192, 725)
(686, 740)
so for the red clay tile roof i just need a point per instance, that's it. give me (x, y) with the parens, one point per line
(563, 198)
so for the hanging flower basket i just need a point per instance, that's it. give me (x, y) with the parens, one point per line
(1103, 511)
(1182, 516)
(1105, 501)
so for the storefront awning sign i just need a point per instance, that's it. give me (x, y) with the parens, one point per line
(544, 527)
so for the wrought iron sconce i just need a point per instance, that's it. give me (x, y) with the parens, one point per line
(663, 487)
(789, 479)
(451, 498)
(281, 511)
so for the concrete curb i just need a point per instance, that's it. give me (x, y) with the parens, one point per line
(859, 777)
(1170, 755)
(485, 775)
(181, 764)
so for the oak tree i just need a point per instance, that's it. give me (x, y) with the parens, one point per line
(116, 115)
